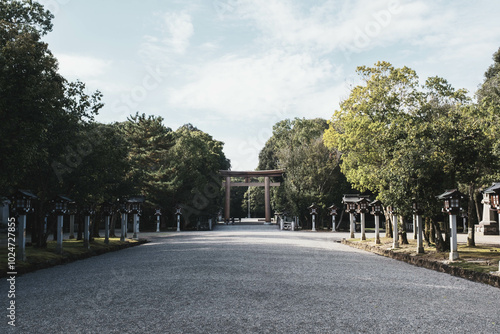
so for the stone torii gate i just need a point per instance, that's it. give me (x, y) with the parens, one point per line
(247, 175)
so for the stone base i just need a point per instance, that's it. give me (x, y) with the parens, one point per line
(486, 229)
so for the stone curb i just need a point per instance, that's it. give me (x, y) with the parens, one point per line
(67, 258)
(428, 264)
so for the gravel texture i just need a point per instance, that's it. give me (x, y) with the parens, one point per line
(248, 279)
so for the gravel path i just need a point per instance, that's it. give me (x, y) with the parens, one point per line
(248, 280)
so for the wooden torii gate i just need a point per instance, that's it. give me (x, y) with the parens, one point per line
(247, 175)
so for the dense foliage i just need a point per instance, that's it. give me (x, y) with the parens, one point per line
(51, 144)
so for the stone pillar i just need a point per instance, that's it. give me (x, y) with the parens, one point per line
(86, 232)
(420, 241)
(158, 223)
(352, 225)
(21, 236)
(363, 235)
(72, 226)
(135, 225)
(210, 224)
(293, 224)
(227, 204)
(333, 223)
(178, 223)
(124, 227)
(487, 226)
(377, 229)
(106, 229)
(453, 238)
(415, 227)
(267, 199)
(281, 222)
(395, 236)
(313, 223)
(59, 245)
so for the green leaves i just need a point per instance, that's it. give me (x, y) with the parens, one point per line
(401, 140)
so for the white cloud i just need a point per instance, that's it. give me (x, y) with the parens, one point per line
(82, 67)
(255, 85)
(177, 31)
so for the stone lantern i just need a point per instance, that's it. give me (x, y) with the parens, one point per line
(417, 214)
(493, 193)
(350, 203)
(178, 213)
(451, 206)
(377, 211)
(72, 211)
(134, 207)
(59, 206)
(332, 211)
(124, 210)
(87, 210)
(158, 215)
(363, 208)
(21, 205)
(313, 211)
(107, 210)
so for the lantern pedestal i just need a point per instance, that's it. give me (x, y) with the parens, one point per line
(420, 242)
(135, 225)
(178, 223)
(314, 223)
(395, 235)
(86, 233)
(333, 223)
(59, 246)
(453, 238)
(352, 226)
(377, 229)
(363, 235)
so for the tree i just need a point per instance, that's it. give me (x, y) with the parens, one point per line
(312, 172)
(195, 161)
(39, 110)
(407, 142)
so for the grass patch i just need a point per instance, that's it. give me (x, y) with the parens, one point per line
(482, 258)
(72, 250)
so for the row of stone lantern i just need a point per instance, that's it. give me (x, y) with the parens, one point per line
(451, 198)
(22, 204)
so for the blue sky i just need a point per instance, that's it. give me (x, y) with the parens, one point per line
(233, 68)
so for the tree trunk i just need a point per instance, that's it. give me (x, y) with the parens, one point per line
(112, 226)
(79, 235)
(96, 225)
(472, 213)
(427, 231)
(440, 243)
(432, 232)
(403, 235)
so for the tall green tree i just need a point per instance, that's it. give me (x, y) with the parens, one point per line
(195, 161)
(407, 142)
(312, 172)
(40, 111)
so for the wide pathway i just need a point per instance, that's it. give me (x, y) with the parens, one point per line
(248, 279)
